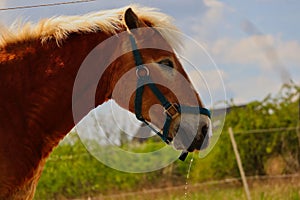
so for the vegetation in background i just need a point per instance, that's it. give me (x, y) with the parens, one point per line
(71, 172)
(255, 149)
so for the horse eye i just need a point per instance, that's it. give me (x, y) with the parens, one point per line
(166, 62)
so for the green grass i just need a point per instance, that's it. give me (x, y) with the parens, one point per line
(276, 189)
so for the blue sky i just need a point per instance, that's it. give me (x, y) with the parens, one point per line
(255, 44)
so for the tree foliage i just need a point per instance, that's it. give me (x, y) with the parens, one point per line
(273, 112)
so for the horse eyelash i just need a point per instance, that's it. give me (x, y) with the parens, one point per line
(166, 62)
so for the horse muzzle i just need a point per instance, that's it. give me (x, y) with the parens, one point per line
(193, 134)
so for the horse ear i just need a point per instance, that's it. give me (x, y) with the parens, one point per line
(131, 20)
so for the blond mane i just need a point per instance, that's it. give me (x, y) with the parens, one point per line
(108, 21)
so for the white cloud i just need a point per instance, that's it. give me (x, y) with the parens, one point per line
(266, 52)
(245, 89)
(269, 60)
(210, 85)
(245, 51)
(215, 11)
(204, 23)
(209, 77)
(289, 51)
(2, 3)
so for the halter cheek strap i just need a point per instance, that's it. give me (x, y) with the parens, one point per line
(171, 110)
(143, 80)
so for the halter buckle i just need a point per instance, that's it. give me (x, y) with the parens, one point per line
(172, 111)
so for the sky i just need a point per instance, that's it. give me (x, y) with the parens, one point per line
(248, 48)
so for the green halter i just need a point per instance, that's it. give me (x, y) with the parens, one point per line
(172, 110)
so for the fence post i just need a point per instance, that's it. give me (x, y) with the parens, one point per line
(239, 162)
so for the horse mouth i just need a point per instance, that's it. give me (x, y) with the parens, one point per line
(190, 140)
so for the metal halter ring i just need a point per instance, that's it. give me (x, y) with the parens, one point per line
(142, 71)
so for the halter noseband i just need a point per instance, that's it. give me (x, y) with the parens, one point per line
(172, 110)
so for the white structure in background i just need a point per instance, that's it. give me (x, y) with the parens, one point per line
(109, 124)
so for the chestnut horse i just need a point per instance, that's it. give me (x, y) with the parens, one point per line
(38, 70)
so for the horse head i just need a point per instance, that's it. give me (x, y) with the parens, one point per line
(157, 89)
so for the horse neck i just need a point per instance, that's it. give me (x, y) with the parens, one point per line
(36, 112)
(60, 65)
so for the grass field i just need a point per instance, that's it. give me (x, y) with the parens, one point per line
(262, 189)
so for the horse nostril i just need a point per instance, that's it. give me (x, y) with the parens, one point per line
(204, 130)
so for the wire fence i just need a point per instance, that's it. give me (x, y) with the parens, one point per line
(46, 5)
(237, 154)
(212, 183)
(269, 130)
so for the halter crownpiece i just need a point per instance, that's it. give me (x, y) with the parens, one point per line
(172, 110)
